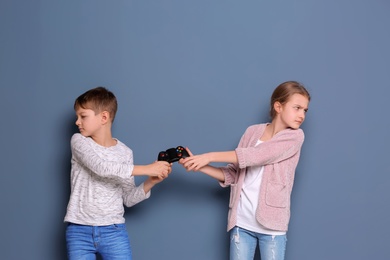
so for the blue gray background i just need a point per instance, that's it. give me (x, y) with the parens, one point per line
(197, 73)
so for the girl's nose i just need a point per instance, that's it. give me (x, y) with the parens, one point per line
(302, 114)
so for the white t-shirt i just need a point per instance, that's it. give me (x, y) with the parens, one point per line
(249, 199)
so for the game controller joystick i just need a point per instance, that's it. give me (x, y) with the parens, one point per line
(173, 154)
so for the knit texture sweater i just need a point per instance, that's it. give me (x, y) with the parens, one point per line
(279, 156)
(101, 183)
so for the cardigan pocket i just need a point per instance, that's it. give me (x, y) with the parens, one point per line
(233, 194)
(276, 195)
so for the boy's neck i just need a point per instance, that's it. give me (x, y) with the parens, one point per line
(104, 138)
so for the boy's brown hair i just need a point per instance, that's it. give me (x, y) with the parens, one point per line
(98, 99)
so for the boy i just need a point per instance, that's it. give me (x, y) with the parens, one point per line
(102, 181)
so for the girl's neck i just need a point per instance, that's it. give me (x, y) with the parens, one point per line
(270, 131)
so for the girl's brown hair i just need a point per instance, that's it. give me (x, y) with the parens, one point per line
(284, 91)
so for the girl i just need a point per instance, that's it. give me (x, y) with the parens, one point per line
(260, 173)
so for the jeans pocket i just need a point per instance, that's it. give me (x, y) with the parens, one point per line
(119, 226)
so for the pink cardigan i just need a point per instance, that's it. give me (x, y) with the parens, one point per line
(280, 156)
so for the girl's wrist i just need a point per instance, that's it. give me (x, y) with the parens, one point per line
(211, 157)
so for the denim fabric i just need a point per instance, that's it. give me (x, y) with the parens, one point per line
(243, 245)
(85, 242)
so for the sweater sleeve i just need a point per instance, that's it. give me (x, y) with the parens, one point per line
(230, 171)
(109, 164)
(282, 146)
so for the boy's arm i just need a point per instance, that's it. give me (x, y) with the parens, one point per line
(134, 194)
(151, 182)
(158, 168)
(148, 184)
(104, 165)
(108, 165)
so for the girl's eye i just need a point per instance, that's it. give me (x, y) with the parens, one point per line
(298, 108)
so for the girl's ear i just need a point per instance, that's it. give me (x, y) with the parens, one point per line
(277, 107)
(105, 117)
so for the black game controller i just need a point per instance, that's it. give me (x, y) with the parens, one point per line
(173, 154)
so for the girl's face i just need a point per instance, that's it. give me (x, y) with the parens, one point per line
(87, 122)
(293, 112)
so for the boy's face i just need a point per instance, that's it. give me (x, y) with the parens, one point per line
(87, 122)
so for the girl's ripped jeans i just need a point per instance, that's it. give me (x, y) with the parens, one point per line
(243, 245)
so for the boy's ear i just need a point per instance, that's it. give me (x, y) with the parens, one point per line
(105, 117)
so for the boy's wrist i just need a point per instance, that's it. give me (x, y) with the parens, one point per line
(148, 184)
(142, 170)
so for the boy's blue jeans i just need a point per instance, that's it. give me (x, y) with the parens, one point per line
(85, 242)
(243, 245)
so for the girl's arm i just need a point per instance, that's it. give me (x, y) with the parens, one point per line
(213, 172)
(281, 147)
(196, 162)
(200, 163)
